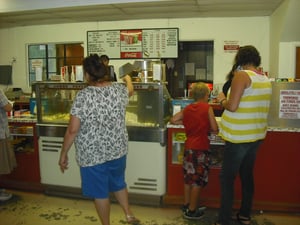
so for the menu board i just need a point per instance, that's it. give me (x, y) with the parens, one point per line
(134, 43)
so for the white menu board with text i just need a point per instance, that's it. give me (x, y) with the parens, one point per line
(134, 43)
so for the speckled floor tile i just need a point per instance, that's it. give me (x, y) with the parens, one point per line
(39, 209)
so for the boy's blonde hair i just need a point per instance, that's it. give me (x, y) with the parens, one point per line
(199, 90)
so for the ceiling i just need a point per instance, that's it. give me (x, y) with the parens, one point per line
(14, 13)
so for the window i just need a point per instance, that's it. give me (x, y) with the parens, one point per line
(51, 57)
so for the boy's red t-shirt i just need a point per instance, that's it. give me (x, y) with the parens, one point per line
(196, 125)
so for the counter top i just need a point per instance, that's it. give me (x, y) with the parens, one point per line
(23, 119)
(274, 129)
(284, 129)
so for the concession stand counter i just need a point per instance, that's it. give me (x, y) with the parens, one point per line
(146, 117)
(277, 170)
(53, 104)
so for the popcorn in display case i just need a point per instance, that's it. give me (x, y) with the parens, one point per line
(148, 112)
(54, 101)
(149, 106)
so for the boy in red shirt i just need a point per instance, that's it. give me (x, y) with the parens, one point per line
(199, 120)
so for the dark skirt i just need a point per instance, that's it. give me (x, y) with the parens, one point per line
(7, 157)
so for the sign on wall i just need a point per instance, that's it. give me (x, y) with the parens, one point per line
(134, 43)
(289, 104)
(231, 46)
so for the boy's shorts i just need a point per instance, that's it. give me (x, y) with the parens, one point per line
(196, 164)
(99, 180)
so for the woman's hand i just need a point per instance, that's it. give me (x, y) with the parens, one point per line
(220, 97)
(128, 82)
(63, 161)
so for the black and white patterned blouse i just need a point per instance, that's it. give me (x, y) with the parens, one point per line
(102, 136)
(4, 131)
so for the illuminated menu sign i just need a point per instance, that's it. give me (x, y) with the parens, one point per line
(134, 43)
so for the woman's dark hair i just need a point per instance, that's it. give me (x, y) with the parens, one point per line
(95, 68)
(248, 55)
(229, 78)
(229, 75)
(104, 58)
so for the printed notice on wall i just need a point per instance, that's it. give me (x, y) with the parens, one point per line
(134, 43)
(231, 46)
(289, 106)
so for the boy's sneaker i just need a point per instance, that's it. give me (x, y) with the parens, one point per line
(193, 215)
(201, 208)
(4, 196)
(184, 208)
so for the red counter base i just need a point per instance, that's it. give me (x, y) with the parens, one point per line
(277, 176)
(26, 176)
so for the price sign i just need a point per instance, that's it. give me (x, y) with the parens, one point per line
(134, 43)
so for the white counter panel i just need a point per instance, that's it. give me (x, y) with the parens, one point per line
(146, 168)
(145, 171)
(49, 151)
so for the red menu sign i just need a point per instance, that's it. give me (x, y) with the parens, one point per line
(131, 44)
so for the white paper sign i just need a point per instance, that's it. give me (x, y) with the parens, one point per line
(38, 73)
(79, 73)
(289, 105)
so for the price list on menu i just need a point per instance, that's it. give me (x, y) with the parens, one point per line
(160, 43)
(104, 43)
(134, 43)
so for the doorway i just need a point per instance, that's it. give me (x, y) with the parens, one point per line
(194, 63)
(297, 63)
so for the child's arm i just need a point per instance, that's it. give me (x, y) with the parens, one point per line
(212, 120)
(177, 118)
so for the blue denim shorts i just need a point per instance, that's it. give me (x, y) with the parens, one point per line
(99, 180)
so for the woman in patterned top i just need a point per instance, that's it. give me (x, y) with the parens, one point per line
(97, 128)
(243, 126)
(7, 156)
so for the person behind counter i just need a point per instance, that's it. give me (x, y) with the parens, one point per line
(97, 128)
(7, 156)
(198, 120)
(243, 127)
(105, 60)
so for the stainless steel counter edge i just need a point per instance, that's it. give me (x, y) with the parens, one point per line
(51, 130)
(144, 134)
(270, 128)
(22, 119)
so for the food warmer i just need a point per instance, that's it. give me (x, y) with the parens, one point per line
(146, 117)
(53, 104)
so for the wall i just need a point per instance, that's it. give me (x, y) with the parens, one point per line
(13, 41)
(287, 59)
(284, 38)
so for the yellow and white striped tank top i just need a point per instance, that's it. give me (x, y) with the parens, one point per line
(249, 122)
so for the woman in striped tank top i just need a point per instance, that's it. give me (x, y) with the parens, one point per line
(243, 127)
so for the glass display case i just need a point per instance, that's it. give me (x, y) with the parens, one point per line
(149, 106)
(148, 112)
(175, 153)
(54, 101)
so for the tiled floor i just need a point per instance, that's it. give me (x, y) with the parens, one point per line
(39, 209)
